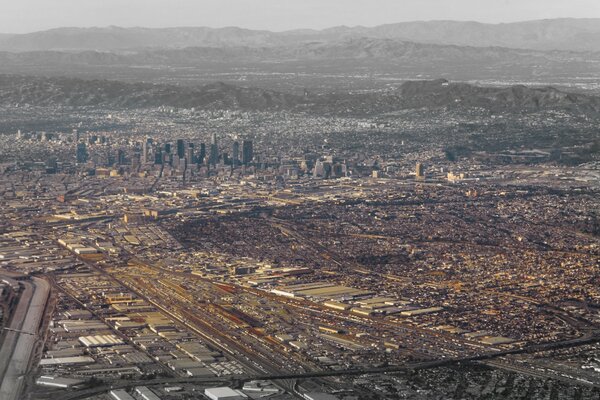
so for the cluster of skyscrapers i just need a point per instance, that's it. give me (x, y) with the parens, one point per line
(180, 155)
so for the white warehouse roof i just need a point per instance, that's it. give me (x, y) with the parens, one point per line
(100, 341)
(224, 393)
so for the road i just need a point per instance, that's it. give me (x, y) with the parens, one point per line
(346, 372)
(16, 322)
(28, 318)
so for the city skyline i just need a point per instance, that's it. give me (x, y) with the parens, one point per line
(395, 204)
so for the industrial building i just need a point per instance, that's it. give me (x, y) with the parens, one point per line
(224, 393)
(145, 393)
(100, 341)
(321, 290)
(121, 395)
(58, 382)
(66, 361)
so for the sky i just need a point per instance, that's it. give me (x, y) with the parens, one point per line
(21, 16)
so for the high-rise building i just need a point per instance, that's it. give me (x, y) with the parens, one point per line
(136, 159)
(189, 156)
(146, 149)
(214, 150)
(420, 171)
(247, 152)
(121, 160)
(180, 148)
(235, 154)
(202, 154)
(82, 154)
(167, 147)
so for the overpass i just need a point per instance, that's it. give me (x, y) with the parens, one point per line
(234, 381)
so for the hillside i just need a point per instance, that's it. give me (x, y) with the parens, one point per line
(117, 95)
(16, 90)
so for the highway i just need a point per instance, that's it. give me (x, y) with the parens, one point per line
(346, 372)
(27, 318)
(16, 322)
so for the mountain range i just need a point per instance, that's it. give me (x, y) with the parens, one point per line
(18, 90)
(388, 58)
(361, 48)
(555, 34)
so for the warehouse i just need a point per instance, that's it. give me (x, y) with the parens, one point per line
(322, 291)
(145, 393)
(421, 311)
(224, 393)
(58, 382)
(66, 361)
(336, 305)
(82, 325)
(86, 250)
(100, 341)
(121, 395)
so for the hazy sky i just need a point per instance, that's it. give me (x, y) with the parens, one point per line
(18, 16)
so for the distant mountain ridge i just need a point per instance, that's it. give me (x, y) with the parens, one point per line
(554, 34)
(352, 48)
(350, 56)
(410, 95)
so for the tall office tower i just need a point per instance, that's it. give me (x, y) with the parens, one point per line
(167, 147)
(180, 148)
(183, 164)
(136, 160)
(146, 149)
(420, 171)
(158, 158)
(202, 154)
(214, 150)
(247, 152)
(189, 155)
(235, 154)
(75, 135)
(82, 154)
(121, 157)
(110, 159)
